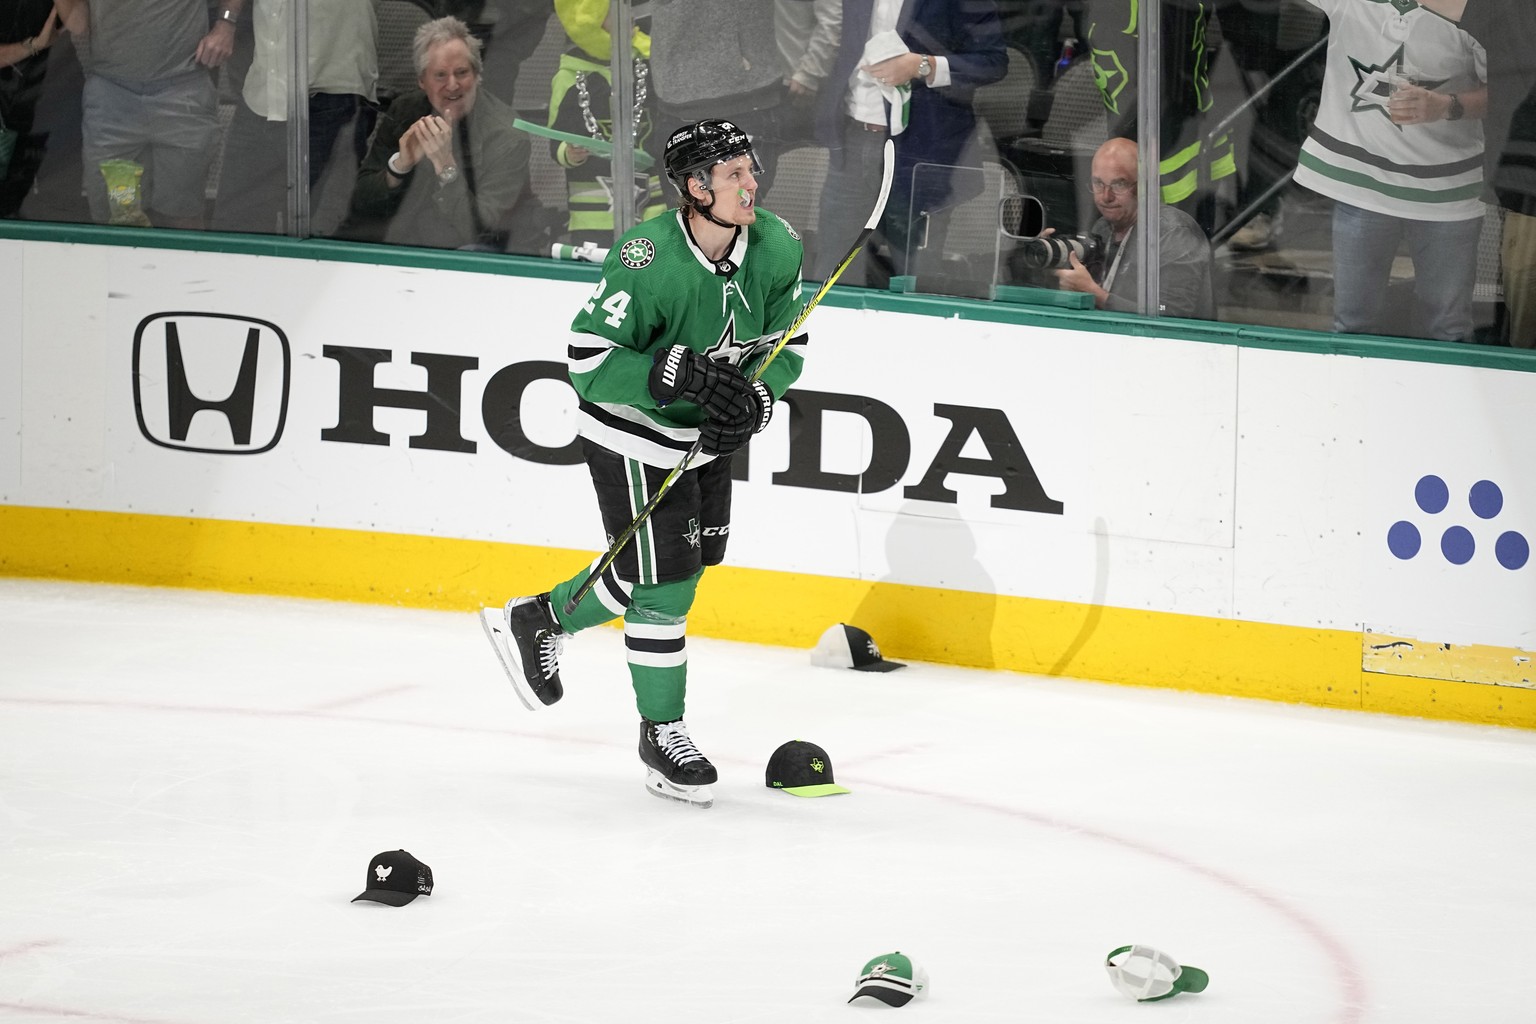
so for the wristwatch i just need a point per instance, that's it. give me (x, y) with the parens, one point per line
(448, 175)
(924, 66)
(1457, 111)
(228, 15)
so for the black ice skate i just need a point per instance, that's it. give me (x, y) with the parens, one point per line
(675, 770)
(528, 641)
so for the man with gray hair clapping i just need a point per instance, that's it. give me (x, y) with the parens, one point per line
(446, 165)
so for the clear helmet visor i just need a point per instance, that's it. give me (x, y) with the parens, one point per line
(705, 175)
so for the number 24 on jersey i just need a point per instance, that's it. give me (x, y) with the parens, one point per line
(616, 305)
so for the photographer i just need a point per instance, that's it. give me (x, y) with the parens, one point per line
(1113, 277)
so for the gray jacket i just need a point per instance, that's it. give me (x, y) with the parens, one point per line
(1185, 284)
(710, 49)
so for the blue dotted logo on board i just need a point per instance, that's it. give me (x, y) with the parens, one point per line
(1485, 500)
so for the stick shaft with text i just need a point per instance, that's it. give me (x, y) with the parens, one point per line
(888, 171)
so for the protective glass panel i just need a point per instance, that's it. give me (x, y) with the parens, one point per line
(595, 188)
(118, 110)
(1303, 179)
(445, 160)
(178, 113)
(1358, 161)
(266, 132)
(820, 85)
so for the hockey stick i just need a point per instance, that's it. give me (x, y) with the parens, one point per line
(887, 172)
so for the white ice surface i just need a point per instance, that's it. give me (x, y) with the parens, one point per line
(192, 786)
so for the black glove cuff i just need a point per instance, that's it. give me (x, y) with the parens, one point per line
(670, 373)
(764, 399)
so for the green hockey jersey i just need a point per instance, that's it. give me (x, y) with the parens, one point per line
(659, 289)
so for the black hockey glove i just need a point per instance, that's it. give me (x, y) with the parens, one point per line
(680, 372)
(731, 432)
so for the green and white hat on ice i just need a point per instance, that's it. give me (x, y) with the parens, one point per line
(893, 979)
(1147, 975)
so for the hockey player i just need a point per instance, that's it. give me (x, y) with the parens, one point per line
(660, 356)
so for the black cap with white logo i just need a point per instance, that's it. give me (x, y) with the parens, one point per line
(396, 878)
(845, 646)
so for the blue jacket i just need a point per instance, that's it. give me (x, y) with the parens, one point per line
(966, 32)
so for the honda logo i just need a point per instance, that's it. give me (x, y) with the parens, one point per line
(211, 382)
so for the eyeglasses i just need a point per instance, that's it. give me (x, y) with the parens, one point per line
(1118, 187)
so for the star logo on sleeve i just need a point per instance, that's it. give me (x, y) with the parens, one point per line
(637, 253)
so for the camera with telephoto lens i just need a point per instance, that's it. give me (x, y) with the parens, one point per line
(1023, 218)
(1056, 251)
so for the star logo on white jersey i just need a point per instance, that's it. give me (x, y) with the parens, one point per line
(1375, 83)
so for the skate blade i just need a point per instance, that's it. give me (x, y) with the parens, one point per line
(495, 624)
(656, 784)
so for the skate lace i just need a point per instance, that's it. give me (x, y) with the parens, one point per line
(550, 646)
(674, 741)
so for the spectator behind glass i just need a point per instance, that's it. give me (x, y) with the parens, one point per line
(1515, 186)
(1507, 30)
(343, 73)
(952, 48)
(580, 100)
(149, 119)
(717, 59)
(26, 32)
(807, 32)
(446, 165)
(1185, 286)
(1195, 174)
(1402, 162)
(1264, 38)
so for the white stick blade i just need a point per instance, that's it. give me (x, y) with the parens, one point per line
(887, 174)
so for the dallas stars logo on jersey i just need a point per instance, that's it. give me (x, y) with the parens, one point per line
(659, 289)
(637, 253)
(1375, 83)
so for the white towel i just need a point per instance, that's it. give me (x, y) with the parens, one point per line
(898, 98)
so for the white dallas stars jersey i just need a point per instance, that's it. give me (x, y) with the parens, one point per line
(1355, 153)
(658, 289)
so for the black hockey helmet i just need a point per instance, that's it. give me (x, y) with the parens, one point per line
(694, 148)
